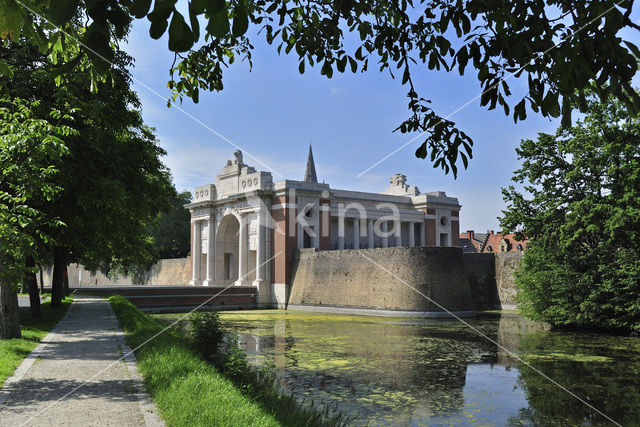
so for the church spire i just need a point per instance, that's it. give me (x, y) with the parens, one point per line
(310, 171)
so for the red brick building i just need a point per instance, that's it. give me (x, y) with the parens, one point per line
(491, 242)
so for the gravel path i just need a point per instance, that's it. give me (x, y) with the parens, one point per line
(82, 352)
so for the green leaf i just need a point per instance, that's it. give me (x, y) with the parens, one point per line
(180, 35)
(140, 8)
(633, 48)
(96, 40)
(61, 11)
(240, 20)
(5, 69)
(405, 75)
(198, 6)
(218, 25)
(159, 18)
(157, 28)
(326, 69)
(120, 20)
(550, 103)
(353, 64)
(566, 111)
(215, 6)
(195, 25)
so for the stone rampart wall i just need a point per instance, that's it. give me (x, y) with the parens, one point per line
(164, 272)
(347, 279)
(382, 278)
(491, 278)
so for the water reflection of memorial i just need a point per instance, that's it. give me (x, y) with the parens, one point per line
(428, 372)
(384, 370)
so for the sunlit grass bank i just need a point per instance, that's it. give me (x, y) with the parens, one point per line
(189, 391)
(13, 351)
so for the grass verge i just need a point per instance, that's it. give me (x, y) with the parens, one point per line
(13, 351)
(189, 391)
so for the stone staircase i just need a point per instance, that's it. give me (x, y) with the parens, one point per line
(162, 299)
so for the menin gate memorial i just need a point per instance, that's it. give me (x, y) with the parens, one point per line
(246, 228)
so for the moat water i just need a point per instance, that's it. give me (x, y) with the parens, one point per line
(401, 371)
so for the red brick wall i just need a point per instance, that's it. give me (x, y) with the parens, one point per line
(430, 231)
(455, 232)
(284, 240)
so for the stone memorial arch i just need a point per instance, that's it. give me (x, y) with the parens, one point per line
(245, 228)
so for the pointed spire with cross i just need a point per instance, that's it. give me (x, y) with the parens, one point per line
(310, 171)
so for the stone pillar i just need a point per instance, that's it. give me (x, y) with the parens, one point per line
(397, 232)
(196, 255)
(261, 249)
(370, 236)
(243, 244)
(315, 238)
(356, 233)
(412, 238)
(385, 237)
(211, 252)
(423, 238)
(300, 235)
(340, 232)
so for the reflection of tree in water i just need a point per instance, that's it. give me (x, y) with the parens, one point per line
(380, 370)
(511, 329)
(602, 370)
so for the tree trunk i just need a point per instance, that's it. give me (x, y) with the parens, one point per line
(41, 281)
(66, 281)
(32, 285)
(59, 268)
(9, 312)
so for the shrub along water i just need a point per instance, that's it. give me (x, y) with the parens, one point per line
(222, 350)
(203, 378)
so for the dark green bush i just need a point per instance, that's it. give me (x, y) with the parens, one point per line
(207, 334)
(222, 350)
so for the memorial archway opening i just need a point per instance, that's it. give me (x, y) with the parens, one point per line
(227, 250)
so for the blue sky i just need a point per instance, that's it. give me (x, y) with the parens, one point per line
(272, 112)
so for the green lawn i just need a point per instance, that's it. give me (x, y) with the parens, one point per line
(190, 392)
(13, 351)
(187, 391)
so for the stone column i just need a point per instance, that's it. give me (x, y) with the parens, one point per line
(299, 235)
(211, 252)
(196, 254)
(397, 232)
(370, 236)
(260, 250)
(242, 251)
(412, 238)
(356, 233)
(340, 232)
(385, 237)
(423, 238)
(315, 238)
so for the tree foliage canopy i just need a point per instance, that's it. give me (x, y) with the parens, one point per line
(30, 149)
(111, 183)
(172, 231)
(559, 47)
(581, 208)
